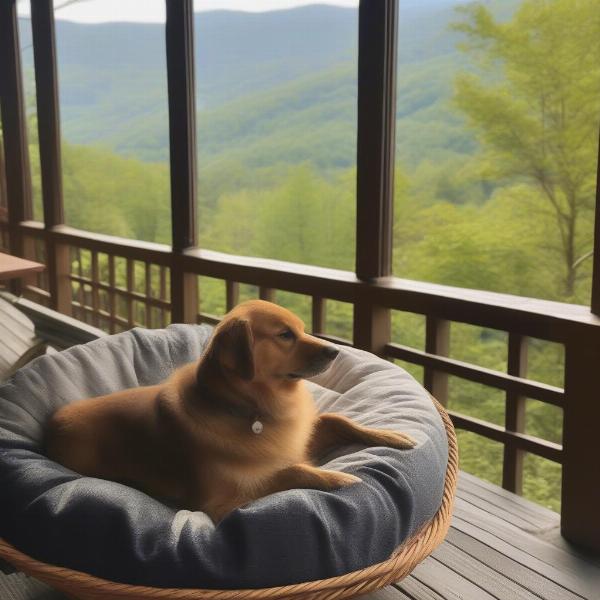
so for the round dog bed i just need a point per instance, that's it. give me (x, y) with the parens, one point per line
(103, 539)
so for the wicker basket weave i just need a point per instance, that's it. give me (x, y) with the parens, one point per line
(82, 586)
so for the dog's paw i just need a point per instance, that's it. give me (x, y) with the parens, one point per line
(333, 480)
(392, 439)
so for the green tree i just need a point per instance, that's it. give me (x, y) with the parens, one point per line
(535, 106)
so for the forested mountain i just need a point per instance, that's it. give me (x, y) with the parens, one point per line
(288, 73)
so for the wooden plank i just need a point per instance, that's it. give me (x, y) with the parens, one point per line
(512, 465)
(376, 104)
(446, 582)
(516, 503)
(526, 523)
(584, 586)
(386, 593)
(182, 121)
(565, 558)
(418, 590)
(498, 585)
(19, 586)
(517, 385)
(505, 565)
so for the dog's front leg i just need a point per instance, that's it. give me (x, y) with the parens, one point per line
(304, 476)
(301, 476)
(332, 430)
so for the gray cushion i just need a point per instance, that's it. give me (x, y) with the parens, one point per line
(118, 533)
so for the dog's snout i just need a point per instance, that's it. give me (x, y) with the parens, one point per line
(330, 352)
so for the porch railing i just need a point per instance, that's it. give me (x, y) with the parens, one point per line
(117, 283)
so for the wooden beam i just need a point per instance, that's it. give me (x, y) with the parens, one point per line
(48, 117)
(488, 377)
(46, 84)
(377, 50)
(581, 471)
(14, 124)
(596, 257)
(372, 327)
(182, 121)
(182, 146)
(527, 443)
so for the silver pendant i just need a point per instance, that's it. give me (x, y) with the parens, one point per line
(257, 427)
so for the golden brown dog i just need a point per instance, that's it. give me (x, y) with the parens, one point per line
(234, 426)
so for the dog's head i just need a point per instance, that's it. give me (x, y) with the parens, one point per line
(260, 341)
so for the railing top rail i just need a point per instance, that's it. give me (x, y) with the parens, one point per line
(545, 319)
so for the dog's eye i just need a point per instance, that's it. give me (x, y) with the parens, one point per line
(287, 334)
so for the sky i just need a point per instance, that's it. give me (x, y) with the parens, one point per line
(153, 11)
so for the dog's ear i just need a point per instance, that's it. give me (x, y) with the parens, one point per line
(231, 347)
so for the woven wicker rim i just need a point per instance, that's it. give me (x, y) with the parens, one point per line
(399, 565)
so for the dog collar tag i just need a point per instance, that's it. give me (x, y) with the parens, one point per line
(257, 427)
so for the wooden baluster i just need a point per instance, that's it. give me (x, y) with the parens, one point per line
(148, 293)
(95, 292)
(437, 341)
(163, 295)
(265, 293)
(232, 291)
(111, 293)
(80, 291)
(512, 471)
(319, 314)
(130, 289)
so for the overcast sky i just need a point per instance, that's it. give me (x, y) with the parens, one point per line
(153, 11)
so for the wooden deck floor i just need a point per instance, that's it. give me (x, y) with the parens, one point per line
(500, 546)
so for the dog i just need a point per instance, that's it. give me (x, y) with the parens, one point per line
(234, 426)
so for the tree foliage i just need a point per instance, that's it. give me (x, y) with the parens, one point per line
(536, 107)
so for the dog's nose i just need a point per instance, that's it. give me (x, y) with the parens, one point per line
(330, 352)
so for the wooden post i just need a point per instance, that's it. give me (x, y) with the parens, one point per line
(580, 522)
(512, 470)
(596, 256)
(377, 50)
(48, 116)
(14, 126)
(437, 341)
(182, 146)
